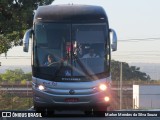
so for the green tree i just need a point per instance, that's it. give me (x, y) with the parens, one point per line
(16, 75)
(129, 72)
(15, 17)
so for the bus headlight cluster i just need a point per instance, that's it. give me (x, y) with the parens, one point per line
(106, 98)
(103, 87)
(41, 87)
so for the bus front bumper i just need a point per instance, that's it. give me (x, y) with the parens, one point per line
(47, 100)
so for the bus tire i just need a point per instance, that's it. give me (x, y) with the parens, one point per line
(99, 112)
(40, 110)
(88, 112)
(50, 112)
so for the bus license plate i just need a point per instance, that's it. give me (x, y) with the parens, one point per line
(71, 100)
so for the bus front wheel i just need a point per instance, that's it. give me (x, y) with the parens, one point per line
(99, 111)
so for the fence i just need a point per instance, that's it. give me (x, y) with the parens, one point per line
(19, 97)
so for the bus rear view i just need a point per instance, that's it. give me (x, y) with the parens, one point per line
(71, 58)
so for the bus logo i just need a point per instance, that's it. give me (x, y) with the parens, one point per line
(71, 92)
(67, 73)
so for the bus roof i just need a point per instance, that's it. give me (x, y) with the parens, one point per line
(70, 13)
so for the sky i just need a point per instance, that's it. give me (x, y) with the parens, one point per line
(136, 22)
(132, 19)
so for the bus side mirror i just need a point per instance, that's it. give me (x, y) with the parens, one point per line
(26, 40)
(113, 39)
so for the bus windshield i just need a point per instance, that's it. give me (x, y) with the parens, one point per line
(70, 50)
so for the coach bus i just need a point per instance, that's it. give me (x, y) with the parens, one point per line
(71, 58)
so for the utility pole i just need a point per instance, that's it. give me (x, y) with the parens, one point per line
(121, 85)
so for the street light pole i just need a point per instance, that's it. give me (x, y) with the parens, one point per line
(121, 85)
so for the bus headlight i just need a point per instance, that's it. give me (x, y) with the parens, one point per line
(41, 87)
(103, 87)
(106, 98)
